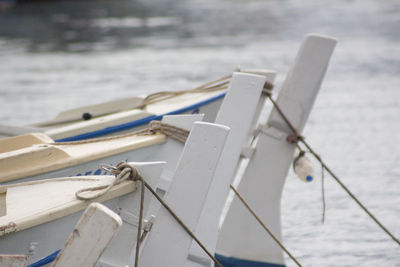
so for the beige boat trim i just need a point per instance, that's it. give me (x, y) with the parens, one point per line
(44, 157)
(21, 141)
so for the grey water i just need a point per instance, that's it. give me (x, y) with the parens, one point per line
(56, 55)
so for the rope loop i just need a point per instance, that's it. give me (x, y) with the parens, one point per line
(122, 172)
(126, 171)
(172, 131)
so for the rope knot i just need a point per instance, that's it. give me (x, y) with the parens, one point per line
(172, 131)
(294, 138)
(268, 86)
(123, 171)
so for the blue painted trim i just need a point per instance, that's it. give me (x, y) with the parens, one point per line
(132, 124)
(235, 262)
(45, 260)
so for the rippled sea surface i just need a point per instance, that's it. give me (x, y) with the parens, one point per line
(57, 55)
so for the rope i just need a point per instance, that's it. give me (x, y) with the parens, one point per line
(264, 226)
(120, 176)
(139, 231)
(124, 169)
(172, 131)
(219, 84)
(192, 235)
(267, 89)
(324, 166)
(216, 85)
(323, 194)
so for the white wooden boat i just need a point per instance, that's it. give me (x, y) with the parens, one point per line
(41, 214)
(119, 116)
(47, 159)
(35, 156)
(240, 124)
(235, 247)
(248, 89)
(242, 241)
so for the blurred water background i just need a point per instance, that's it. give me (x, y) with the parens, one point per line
(61, 54)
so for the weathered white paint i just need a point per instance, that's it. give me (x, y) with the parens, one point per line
(241, 236)
(186, 196)
(123, 244)
(3, 201)
(44, 213)
(90, 237)
(237, 112)
(13, 260)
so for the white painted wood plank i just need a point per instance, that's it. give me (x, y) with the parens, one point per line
(55, 199)
(91, 235)
(192, 179)
(260, 116)
(306, 74)
(123, 244)
(241, 236)
(237, 112)
(175, 147)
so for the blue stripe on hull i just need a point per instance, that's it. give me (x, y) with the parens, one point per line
(45, 260)
(140, 122)
(235, 262)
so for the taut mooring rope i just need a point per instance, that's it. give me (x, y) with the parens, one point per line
(323, 193)
(264, 226)
(192, 235)
(301, 139)
(219, 84)
(139, 231)
(130, 172)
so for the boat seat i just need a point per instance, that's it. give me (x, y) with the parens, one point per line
(28, 203)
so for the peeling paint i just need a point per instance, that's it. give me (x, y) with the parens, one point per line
(7, 229)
